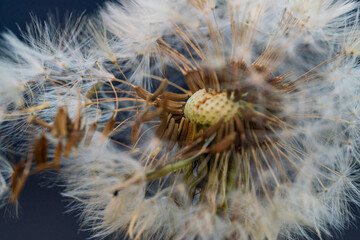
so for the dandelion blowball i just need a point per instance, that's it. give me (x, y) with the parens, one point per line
(191, 119)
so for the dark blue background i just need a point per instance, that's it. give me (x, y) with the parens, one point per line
(42, 210)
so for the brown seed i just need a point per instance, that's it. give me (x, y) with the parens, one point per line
(108, 127)
(190, 79)
(142, 93)
(276, 81)
(41, 150)
(171, 106)
(162, 126)
(16, 174)
(239, 124)
(222, 144)
(60, 127)
(199, 134)
(248, 134)
(227, 128)
(90, 133)
(147, 116)
(20, 181)
(183, 132)
(71, 142)
(166, 104)
(177, 118)
(174, 96)
(169, 130)
(190, 133)
(158, 91)
(173, 138)
(191, 152)
(197, 78)
(194, 146)
(210, 79)
(182, 119)
(212, 129)
(70, 125)
(135, 131)
(221, 133)
(231, 125)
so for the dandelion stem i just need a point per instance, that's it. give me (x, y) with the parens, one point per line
(155, 174)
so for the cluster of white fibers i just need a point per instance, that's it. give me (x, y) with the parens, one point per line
(109, 187)
(53, 67)
(281, 78)
(5, 175)
(134, 44)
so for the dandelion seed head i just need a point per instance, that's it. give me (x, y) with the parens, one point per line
(207, 108)
(197, 119)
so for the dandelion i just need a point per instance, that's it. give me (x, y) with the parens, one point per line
(193, 119)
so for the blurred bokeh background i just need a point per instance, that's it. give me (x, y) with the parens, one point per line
(42, 212)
